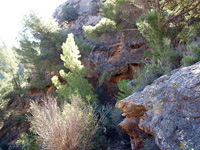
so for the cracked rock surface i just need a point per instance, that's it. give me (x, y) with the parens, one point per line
(167, 109)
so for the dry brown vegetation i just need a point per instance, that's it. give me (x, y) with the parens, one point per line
(69, 128)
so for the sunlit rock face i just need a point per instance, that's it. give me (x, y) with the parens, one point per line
(167, 109)
(89, 13)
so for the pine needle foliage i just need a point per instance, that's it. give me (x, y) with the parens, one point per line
(12, 75)
(40, 48)
(100, 31)
(76, 81)
(69, 13)
(161, 51)
(125, 89)
(123, 12)
(193, 56)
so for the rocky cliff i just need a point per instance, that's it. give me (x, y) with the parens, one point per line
(110, 61)
(168, 109)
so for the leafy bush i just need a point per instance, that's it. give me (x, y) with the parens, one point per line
(69, 13)
(3, 104)
(10, 71)
(193, 56)
(101, 30)
(69, 128)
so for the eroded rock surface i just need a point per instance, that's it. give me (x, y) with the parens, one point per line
(110, 61)
(89, 13)
(167, 109)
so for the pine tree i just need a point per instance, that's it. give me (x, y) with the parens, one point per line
(76, 81)
(10, 71)
(40, 48)
(120, 17)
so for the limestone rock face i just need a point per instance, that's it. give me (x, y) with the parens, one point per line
(89, 14)
(110, 61)
(167, 109)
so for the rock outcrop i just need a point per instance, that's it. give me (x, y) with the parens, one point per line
(110, 61)
(167, 109)
(89, 13)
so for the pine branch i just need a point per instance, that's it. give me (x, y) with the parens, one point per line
(180, 14)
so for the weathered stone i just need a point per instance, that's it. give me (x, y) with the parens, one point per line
(117, 58)
(130, 125)
(83, 8)
(172, 105)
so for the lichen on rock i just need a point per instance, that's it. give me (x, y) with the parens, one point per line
(171, 111)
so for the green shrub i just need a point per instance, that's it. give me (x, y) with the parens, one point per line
(39, 81)
(106, 75)
(116, 117)
(69, 13)
(193, 56)
(156, 37)
(29, 141)
(164, 56)
(101, 140)
(188, 34)
(82, 44)
(148, 74)
(111, 124)
(123, 12)
(125, 89)
(39, 49)
(101, 30)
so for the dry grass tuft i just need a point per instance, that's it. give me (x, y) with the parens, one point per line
(69, 128)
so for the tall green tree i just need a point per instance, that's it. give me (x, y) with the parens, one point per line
(76, 81)
(10, 71)
(40, 48)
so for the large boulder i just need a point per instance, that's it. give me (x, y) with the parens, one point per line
(167, 109)
(89, 13)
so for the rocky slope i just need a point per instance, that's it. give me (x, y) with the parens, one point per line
(168, 109)
(110, 61)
